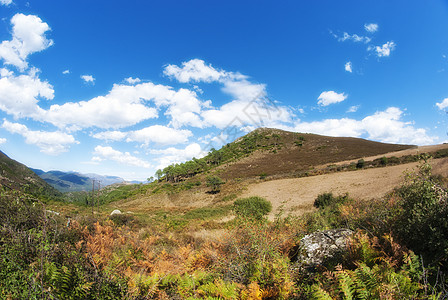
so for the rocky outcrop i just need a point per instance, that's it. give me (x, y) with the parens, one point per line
(323, 248)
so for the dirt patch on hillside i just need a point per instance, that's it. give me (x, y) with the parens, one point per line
(296, 195)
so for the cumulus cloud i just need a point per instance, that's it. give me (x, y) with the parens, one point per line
(174, 155)
(384, 126)
(19, 95)
(371, 27)
(442, 105)
(194, 70)
(159, 134)
(131, 80)
(249, 105)
(108, 153)
(384, 50)
(2, 141)
(28, 36)
(52, 143)
(114, 136)
(65, 72)
(348, 66)
(330, 97)
(88, 78)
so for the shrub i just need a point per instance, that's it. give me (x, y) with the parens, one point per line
(422, 224)
(360, 164)
(215, 183)
(328, 199)
(252, 207)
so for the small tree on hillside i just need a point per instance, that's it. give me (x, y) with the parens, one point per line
(215, 183)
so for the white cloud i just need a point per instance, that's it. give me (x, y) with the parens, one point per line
(131, 80)
(65, 72)
(173, 155)
(249, 105)
(442, 105)
(384, 50)
(159, 134)
(372, 27)
(19, 95)
(330, 97)
(28, 36)
(88, 78)
(51, 143)
(123, 106)
(2, 141)
(108, 153)
(110, 136)
(348, 66)
(5, 2)
(353, 37)
(353, 108)
(384, 126)
(194, 70)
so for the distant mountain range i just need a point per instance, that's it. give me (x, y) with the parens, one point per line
(74, 182)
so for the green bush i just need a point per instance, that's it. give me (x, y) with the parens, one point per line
(360, 164)
(215, 183)
(328, 199)
(422, 223)
(252, 207)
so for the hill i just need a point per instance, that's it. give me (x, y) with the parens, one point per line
(274, 152)
(73, 181)
(15, 176)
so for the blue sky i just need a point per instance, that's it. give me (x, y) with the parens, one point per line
(124, 88)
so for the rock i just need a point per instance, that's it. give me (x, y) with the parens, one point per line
(115, 212)
(323, 248)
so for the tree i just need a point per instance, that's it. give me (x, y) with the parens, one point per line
(215, 183)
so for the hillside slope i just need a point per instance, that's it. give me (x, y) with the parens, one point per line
(294, 153)
(18, 177)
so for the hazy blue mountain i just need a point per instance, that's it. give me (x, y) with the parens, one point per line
(73, 181)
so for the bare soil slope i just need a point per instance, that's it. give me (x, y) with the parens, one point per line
(296, 195)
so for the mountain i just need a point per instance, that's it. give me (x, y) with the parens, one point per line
(15, 176)
(73, 181)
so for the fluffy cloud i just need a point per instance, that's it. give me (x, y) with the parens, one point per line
(372, 27)
(19, 95)
(88, 78)
(28, 36)
(131, 80)
(52, 143)
(348, 66)
(65, 72)
(442, 105)
(194, 70)
(384, 50)
(330, 97)
(108, 153)
(110, 135)
(5, 2)
(173, 155)
(2, 141)
(159, 134)
(249, 105)
(384, 126)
